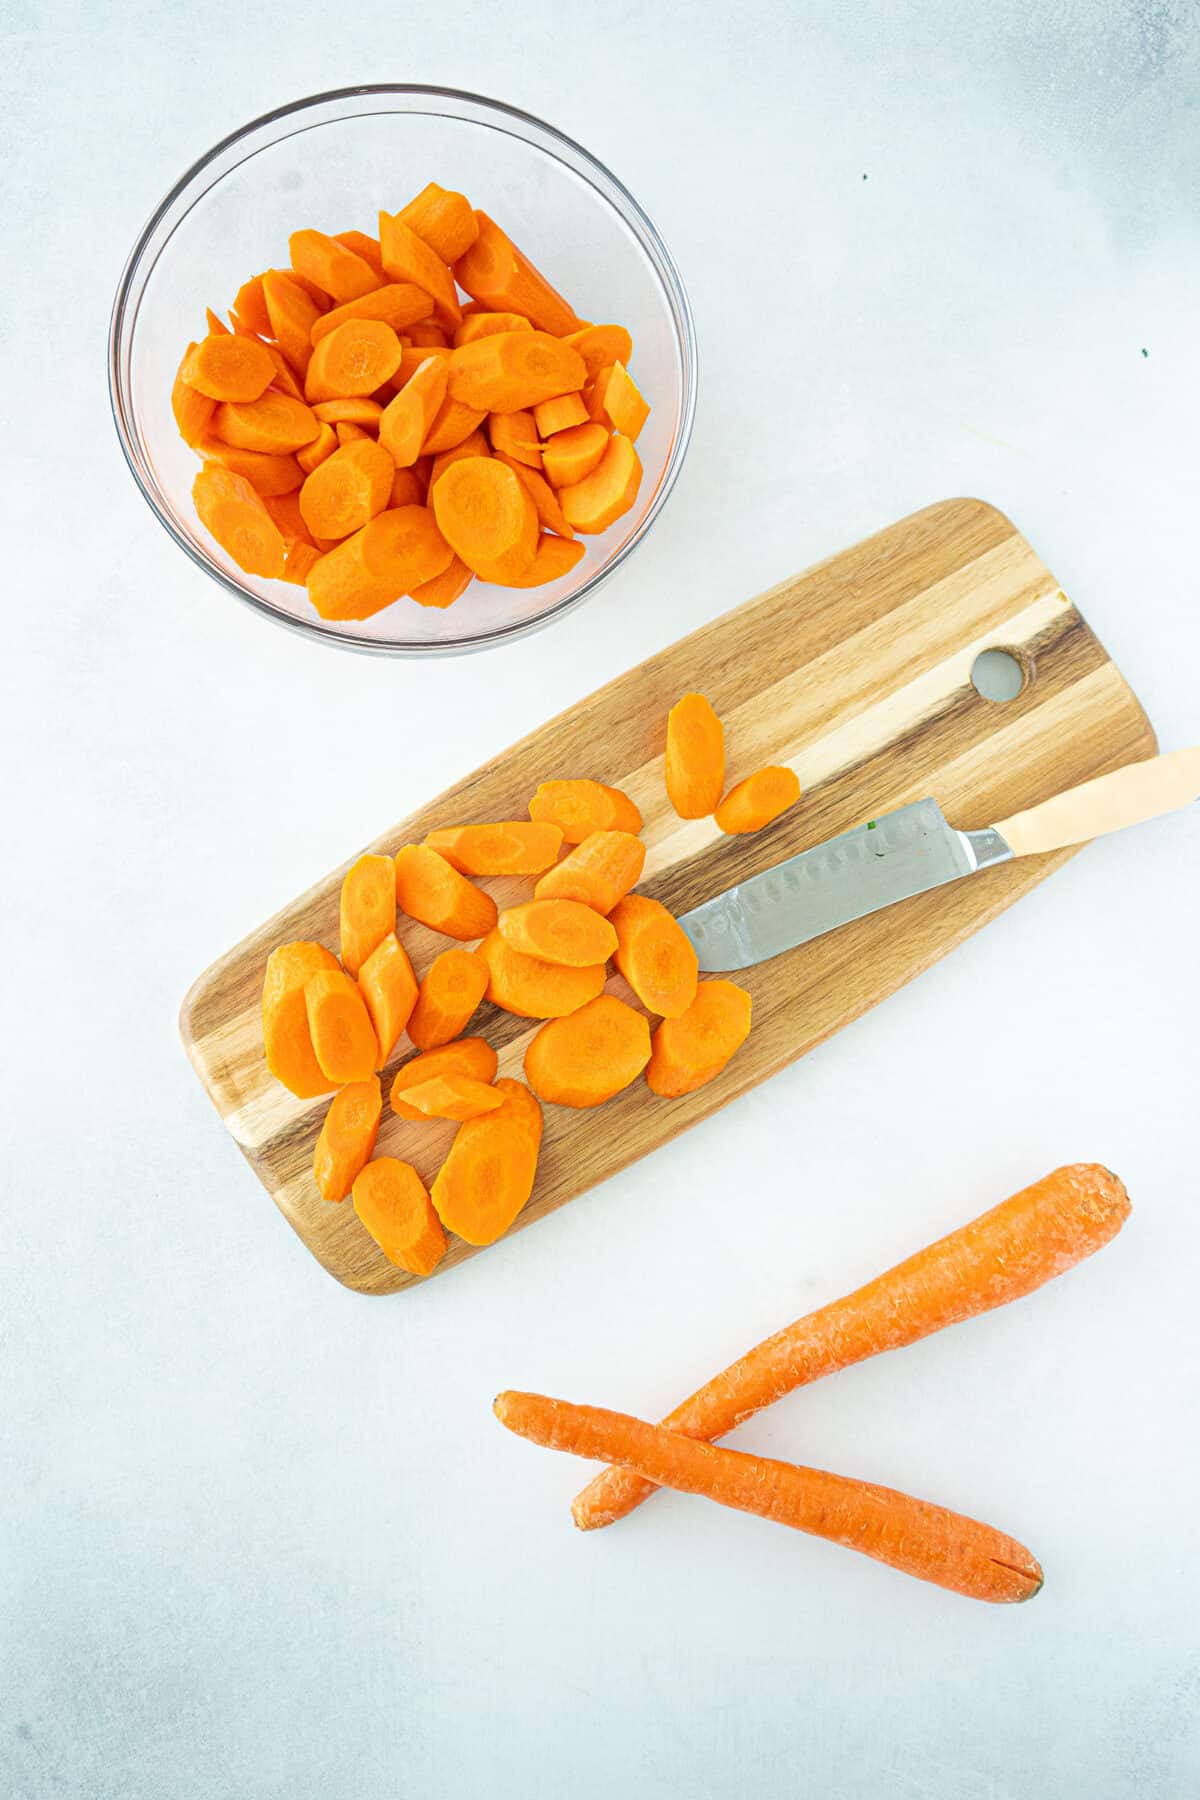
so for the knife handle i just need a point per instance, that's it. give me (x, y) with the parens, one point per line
(1110, 802)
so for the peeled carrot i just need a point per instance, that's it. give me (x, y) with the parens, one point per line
(427, 333)
(601, 346)
(407, 257)
(411, 360)
(329, 265)
(407, 419)
(250, 307)
(608, 492)
(692, 1049)
(274, 422)
(284, 377)
(571, 456)
(474, 444)
(291, 314)
(655, 955)
(269, 476)
(406, 489)
(534, 989)
(761, 797)
(494, 271)
(454, 985)
(1002, 1255)
(695, 757)
(393, 1203)
(233, 512)
(353, 434)
(545, 501)
(351, 410)
(340, 1027)
(599, 871)
(397, 551)
(389, 988)
(452, 1097)
(580, 807)
(367, 909)
(287, 1043)
(914, 1536)
(285, 510)
(586, 1059)
(347, 1138)
(193, 410)
(465, 1056)
(311, 456)
(558, 415)
(489, 1173)
(397, 303)
(486, 516)
(513, 847)
(444, 589)
(364, 246)
(487, 324)
(514, 434)
(298, 562)
(352, 361)
(553, 558)
(443, 219)
(559, 931)
(228, 368)
(452, 425)
(348, 489)
(621, 403)
(514, 369)
(432, 892)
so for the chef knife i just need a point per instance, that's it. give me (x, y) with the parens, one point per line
(913, 850)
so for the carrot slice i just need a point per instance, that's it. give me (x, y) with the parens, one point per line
(274, 422)
(406, 489)
(432, 892)
(250, 307)
(474, 444)
(411, 360)
(389, 988)
(407, 419)
(511, 848)
(623, 406)
(228, 368)
(452, 1097)
(428, 334)
(453, 424)
(287, 1043)
(559, 415)
(329, 265)
(571, 456)
(397, 551)
(601, 346)
(229, 508)
(694, 766)
(534, 989)
(352, 410)
(512, 370)
(489, 1173)
(268, 475)
(347, 1138)
(444, 589)
(284, 377)
(443, 219)
(494, 271)
(586, 1059)
(545, 500)
(398, 304)
(604, 496)
(559, 931)
(394, 1205)
(655, 955)
(465, 1056)
(487, 517)
(347, 489)
(580, 807)
(454, 985)
(298, 562)
(599, 871)
(311, 456)
(291, 315)
(407, 257)
(352, 361)
(340, 1027)
(693, 1049)
(364, 246)
(761, 797)
(487, 324)
(554, 558)
(514, 435)
(193, 410)
(285, 510)
(367, 912)
(353, 434)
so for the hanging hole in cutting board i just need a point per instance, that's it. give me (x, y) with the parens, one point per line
(998, 675)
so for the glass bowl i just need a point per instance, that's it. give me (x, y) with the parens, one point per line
(331, 161)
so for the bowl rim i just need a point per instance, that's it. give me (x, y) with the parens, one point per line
(651, 244)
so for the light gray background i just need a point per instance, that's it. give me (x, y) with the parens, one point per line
(263, 1538)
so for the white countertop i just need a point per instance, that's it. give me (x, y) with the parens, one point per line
(260, 1537)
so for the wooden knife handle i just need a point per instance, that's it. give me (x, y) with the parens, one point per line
(1139, 791)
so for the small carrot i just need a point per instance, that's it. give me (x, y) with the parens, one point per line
(474, 444)
(330, 266)
(429, 890)
(411, 360)
(550, 514)
(581, 806)
(389, 988)
(407, 419)
(560, 414)
(398, 304)
(311, 456)
(444, 589)
(695, 757)
(364, 246)
(1002, 1255)
(489, 1173)
(486, 516)
(692, 1049)
(352, 361)
(601, 346)
(495, 272)
(284, 377)
(291, 315)
(250, 307)
(571, 456)
(605, 494)
(287, 1043)
(599, 871)
(228, 368)
(398, 550)
(487, 324)
(620, 403)
(367, 909)
(452, 425)
(268, 475)
(352, 410)
(913, 1536)
(761, 797)
(285, 510)
(233, 512)
(514, 435)
(453, 1096)
(512, 370)
(514, 847)
(274, 422)
(348, 489)
(353, 434)
(347, 1138)
(340, 1027)
(407, 257)
(443, 219)
(454, 985)
(553, 558)
(193, 410)
(428, 334)
(655, 955)
(406, 489)
(393, 1203)
(559, 931)
(534, 989)
(472, 1056)
(588, 1057)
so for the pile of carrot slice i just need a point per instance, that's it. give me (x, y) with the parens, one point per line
(368, 435)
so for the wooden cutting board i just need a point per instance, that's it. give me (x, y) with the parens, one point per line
(857, 672)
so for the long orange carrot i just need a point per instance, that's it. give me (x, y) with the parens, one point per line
(910, 1535)
(1000, 1256)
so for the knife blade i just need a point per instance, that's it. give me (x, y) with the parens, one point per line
(912, 851)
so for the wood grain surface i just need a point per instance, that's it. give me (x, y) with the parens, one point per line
(856, 672)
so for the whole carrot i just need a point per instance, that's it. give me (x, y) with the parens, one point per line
(1005, 1253)
(910, 1535)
